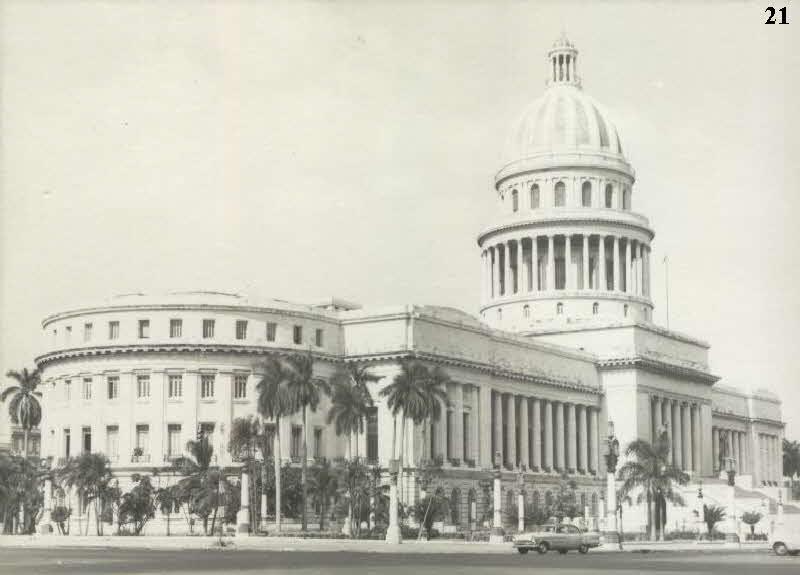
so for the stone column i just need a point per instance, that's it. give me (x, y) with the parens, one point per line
(535, 264)
(243, 515)
(475, 427)
(496, 270)
(520, 277)
(628, 282)
(512, 429)
(601, 267)
(647, 270)
(45, 522)
(742, 453)
(549, 464)
(674, 432)
(657, 423)
(594, 444)
(715, 448)
(560, 459)
(735, 449)
(640, 276)
(524, 431)
(509, 288)
(484, 418)
(697, 465)
(486, 274)
(537, 435)
(585, 263)
(615, 263)
(551, 263)
(686, 440)
(583, 441)
(568, 272)
(457, 448)
(441, 431)
(498, 425)
(572, 438)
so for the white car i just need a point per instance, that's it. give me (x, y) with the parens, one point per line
(785, 540)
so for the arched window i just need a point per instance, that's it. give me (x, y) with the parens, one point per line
(583, 503)
(626, 199)
(559, 308)
(548, 500)
(594, 505)
(471, 502)
(526, 311)
(625, 310)
(535, 500)
(514, 201)
(560, 195)
(455, 506)
(586, 195)
(534, 196)
(511, 502)
(609, 196)
(595, 308)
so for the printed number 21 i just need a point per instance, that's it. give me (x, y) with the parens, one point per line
(771, 19)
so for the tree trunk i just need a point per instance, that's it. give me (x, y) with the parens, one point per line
(650, 522)
(277, 451)
(402, 455)
(303, 469)
(658, 518)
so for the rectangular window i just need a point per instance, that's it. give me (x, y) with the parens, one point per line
(66, 442)
(239, 386)
(206, 386)
(112, 441)
(143, 438)
(208, 328)
(144, 328)
(318, 338)
(142, 386)
(113, 387)
(298, 334)
(241, 329)
(87, 388)
(173, 440)
(175, 386)
(113, 330)
(318, 442)
(372, 435)
(296, 445)
(272, 328)
(87, 440)
(67, 390)
(87, 332)
(34, 445)
(175, 327)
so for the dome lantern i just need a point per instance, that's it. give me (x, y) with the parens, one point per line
(563, 63)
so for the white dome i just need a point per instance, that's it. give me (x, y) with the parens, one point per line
(563, 120)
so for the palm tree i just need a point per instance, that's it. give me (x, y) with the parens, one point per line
(751, 518)
(323, 486)
(24, 407)
(246, 439)
(305, 391)
(202, 483)
(274, 402)
(791, 458)
(167, 499)
(712, 514)
(89, 475)
(355, 379)
(650, 467)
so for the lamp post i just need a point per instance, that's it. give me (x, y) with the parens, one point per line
(730, 470)
(497, 535)
(393, 531)
(521, 499)
(612, 457)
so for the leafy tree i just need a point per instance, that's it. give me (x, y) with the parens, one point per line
(564, 505)
(751, 518)
(791, 458)
(322, 485)
(432, 508)
(649, 467)
(486, 488)
(167, 501)
(138, 504)
(247, 438)
(353, 483)
(60, 516)
(24, 408)
(305, 391)
(20, 488)
(275, 402)
(202, 485)
(712, 514)
(350, 405)
(89, 475)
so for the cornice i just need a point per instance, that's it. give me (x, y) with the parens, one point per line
(543, 162)
(658, 366)
(746, 419)
(571, 219)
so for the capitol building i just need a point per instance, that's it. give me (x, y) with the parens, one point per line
(564, 344)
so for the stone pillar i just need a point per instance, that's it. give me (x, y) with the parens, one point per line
(615, 263)
(512, 430)
(537, 435)
(495, 251)
(549, 464)
(243, 515)
(441, 431)
(498, 425)
(657, 423)
(519, 284)
(485, 422)
(534, 264)
(647, 270)
(568, 272)
(594, 444)
(697, 465)
(675, 431)
(715, 449)
(735, 449)
(45, 522)
(497, 519)
(551, 263)
(742, 453)
(509, 272)
(640, 276)
(560, 459)
(601, 254)
(524, 430)
(572, 438)
(628, 282)
(458, 424)
(583, 441)
(686, 440)
(585, 263)
(475, 427)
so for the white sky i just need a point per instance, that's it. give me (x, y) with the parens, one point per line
(310, 149)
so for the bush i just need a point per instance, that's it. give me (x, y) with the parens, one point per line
(681, 536)
(756, 537)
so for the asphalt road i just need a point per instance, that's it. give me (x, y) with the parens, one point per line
(88, 561)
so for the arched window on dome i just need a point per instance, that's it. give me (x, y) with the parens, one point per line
(595, 308)
(534, 196)
(559, 308)
(586, 195)
(609, 196)
(560, 195)
(514, 201)
(626, 199)
(526, 311)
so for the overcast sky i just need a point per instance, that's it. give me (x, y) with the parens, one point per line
(304, 150)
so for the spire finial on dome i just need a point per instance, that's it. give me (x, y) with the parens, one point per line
(562, 62)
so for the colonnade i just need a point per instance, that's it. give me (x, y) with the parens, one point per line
(683, 422)
(566, 261)
(730, 443)
(770, 453)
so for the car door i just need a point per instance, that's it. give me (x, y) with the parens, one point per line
(572, 537)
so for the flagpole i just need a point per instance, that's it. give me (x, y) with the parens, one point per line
(666, 285)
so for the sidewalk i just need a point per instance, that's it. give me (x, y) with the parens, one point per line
(321, 545)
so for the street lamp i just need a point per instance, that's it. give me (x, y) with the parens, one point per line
(497, 535)
(521, 499)
(612, 457)
(393, 531)
(730, 469)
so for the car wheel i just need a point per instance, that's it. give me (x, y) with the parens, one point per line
(583, 549)
(563, 551)
(522, 550)
(542, 548)
(780, 549)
